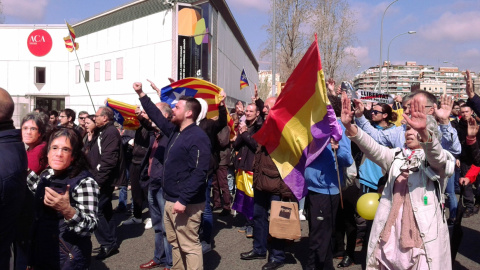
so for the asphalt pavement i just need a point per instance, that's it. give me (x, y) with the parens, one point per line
(137, 245)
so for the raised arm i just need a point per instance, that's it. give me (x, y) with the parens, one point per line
(379, 154)
(153, 112)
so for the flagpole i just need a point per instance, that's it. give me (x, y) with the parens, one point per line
(243, 68)
(81, 70)
(338, 177)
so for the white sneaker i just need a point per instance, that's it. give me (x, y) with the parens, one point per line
(301, 215)
(148, 223)
(132, 221)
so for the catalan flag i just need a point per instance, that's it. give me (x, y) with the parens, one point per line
(69, 44)
(301, 122)
(243, 80)
(196, 88)
(124, 114)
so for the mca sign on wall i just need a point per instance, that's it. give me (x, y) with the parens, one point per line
(39, 42)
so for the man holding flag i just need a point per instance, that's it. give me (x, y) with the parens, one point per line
(186, 163)
(297, 135)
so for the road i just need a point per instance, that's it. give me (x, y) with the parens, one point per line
(137, 245)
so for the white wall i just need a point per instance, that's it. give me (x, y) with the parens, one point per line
(17, 63)
(231, 60)
(144, 44)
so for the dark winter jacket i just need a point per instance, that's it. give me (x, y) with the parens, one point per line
(246, 147)
(107, 158)
(54, 245)
(187, 158)
(266, 176)
(212, 128)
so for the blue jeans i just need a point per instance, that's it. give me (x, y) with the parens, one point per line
(452, 199)
(301, 204)
(163, 249)
(260, 229)
(123, 198)
(207, 219)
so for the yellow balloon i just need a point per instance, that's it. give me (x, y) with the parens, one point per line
(367, 205)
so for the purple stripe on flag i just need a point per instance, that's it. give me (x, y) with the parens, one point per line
(243, 204)
(321, 132)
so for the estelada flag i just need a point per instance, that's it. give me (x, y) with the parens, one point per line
(243, 80)
(69, 44)
(301, 122)
(124, 114)
(197, 88)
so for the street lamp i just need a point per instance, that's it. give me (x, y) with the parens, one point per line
(381, 40)
(388, 54)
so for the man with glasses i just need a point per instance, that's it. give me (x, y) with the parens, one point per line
(67, 119)
(81, 119)
(108, 167)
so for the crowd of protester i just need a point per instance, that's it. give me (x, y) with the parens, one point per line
(58, 180)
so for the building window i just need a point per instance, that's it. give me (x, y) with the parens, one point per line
(96, 75)
(119, 68)
(87, 72)
(108, 66)
(40, 75)
(77, 74)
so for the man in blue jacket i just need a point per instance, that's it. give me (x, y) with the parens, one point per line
(186, 162)
(13, 177)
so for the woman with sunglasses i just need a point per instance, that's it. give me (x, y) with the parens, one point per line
(383, 117)
(409, 230)
(65, 205)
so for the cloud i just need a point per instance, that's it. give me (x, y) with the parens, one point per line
(361, 54)
(247, 5)
(29, 10)
(366, 14)
(460, 27)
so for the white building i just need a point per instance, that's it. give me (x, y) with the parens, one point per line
(142, 40)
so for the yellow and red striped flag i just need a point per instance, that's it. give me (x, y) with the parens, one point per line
(71, 31)
(69, 44)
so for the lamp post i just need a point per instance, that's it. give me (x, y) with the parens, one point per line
(381, 41)
(274, 51)
(388, 54)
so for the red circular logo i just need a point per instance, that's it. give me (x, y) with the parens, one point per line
(39, 42)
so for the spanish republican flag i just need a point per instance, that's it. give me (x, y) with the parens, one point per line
(243, 80)
(196, 88)
(124, 114)
(69, 44)
(301, 122)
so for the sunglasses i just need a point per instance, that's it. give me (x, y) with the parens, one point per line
(376, 112)
(81, 118)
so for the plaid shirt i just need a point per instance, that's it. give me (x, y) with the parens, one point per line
(85, 202)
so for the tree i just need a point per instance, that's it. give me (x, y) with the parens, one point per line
(292, 17)
(296, 23)
(334, 23)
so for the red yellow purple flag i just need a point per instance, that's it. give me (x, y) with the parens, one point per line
(196, 88)
(124, 114)
(301, 122)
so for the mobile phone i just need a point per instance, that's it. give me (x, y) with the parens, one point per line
(59, 187)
